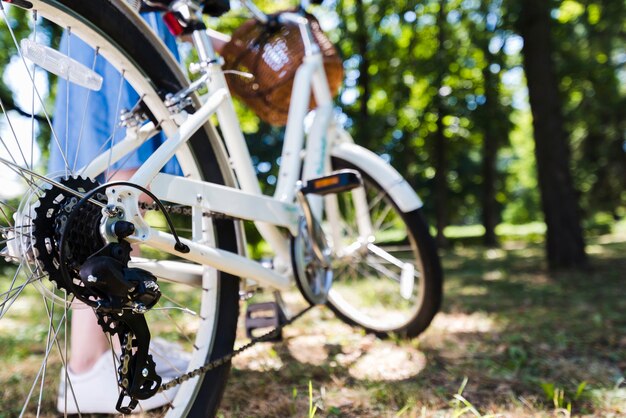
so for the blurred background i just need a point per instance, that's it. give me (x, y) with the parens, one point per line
(440, 88)
(507, 116)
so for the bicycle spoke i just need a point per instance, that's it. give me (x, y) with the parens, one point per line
(53, 183)
(180, 329)
(32, 110)
(13, 292)
(64, 354)
(4, 214)
(376, 200)
(115, 359)
(17, 141)
(380, 268)
(43, 378)
(45, 360)
(115, 124)
(32, 80)
(381, 218)
(64, 358)
(84, 117)
(67, 102)
(177, 306)
(102, 149)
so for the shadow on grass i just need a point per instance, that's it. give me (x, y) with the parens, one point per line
(518, 333)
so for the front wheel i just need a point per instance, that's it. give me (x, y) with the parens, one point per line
(388, 276)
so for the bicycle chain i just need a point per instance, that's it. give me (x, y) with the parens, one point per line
(186, 211)
(228, 357)
(127, 348)
(207, 367)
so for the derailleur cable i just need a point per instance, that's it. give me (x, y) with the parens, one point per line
(179, 246)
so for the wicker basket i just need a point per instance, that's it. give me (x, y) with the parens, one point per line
(272, 56)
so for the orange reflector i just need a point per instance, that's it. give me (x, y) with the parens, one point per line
(325, 182)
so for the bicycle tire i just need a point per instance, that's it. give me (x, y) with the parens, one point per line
(125, 34)
(373, 315)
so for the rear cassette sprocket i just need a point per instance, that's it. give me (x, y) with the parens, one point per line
(83, 237)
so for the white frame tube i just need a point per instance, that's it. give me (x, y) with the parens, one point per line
(219, 259)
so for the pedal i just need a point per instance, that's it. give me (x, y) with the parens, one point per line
(266, 316)
(337, 182)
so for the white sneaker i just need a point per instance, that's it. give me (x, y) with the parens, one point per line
(96, 391)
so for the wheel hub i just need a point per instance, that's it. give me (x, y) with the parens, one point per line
(311, 265)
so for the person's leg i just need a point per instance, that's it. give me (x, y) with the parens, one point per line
(88, 341)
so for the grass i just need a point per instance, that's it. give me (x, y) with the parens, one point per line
(512, 340)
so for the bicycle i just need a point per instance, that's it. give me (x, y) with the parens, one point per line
(340, 215)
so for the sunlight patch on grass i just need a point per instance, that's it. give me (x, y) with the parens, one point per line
(260, 358)
(388, 362)
(464, 231)
(594, 249)
(613, 399)
(493, 275)
(495, 254)
(465, 323)
(509, 230)
(308, 349)
(473, 291)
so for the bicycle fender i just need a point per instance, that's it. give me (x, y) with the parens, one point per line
(383, 173)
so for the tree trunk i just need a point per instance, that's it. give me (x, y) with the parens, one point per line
(364, 77)
(495, 131)
(565, 243)
(441, 171)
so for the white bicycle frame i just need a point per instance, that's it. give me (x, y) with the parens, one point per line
(248, 202)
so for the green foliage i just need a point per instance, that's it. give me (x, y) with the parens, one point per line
(14, 106)
(559, 398)
(400, 82)
(462, 407)
(312, 406)
(588, 57)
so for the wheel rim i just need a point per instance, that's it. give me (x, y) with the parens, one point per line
(369, 286)
(27, 286)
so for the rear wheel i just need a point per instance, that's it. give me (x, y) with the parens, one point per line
(199, 307)
(387, 276)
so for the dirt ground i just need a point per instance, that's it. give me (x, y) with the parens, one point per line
(511, 341)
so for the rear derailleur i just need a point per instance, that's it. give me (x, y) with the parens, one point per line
(70, 247)
(122, 295)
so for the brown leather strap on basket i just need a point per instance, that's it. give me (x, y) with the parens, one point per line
(272, 55)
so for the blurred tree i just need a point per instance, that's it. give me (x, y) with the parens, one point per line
(441, 154)
(12, 106)
(565, 243)
(493, 117)
(588, 58)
